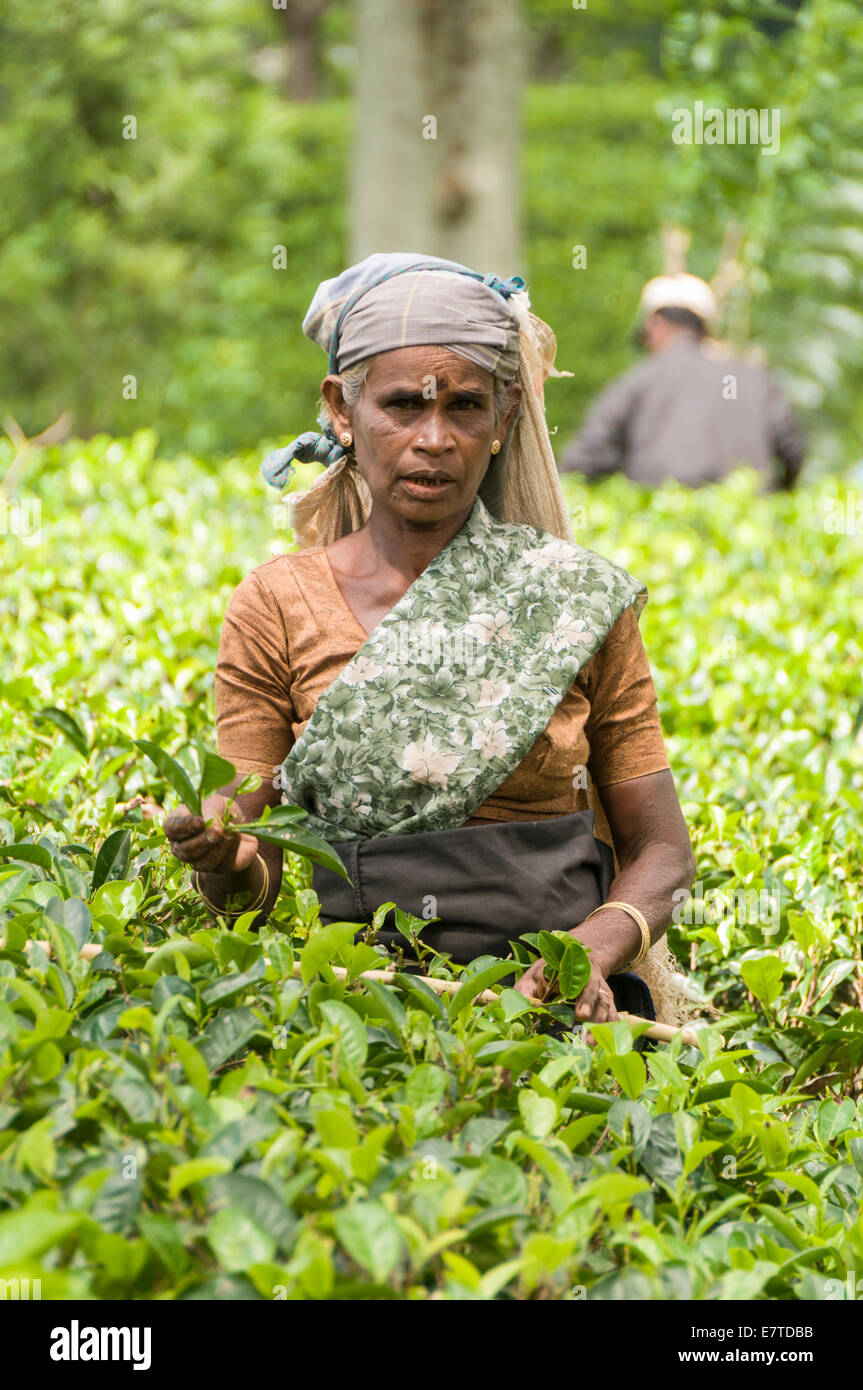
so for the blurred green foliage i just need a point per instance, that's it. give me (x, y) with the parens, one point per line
(590, 179)
(799, 210)
(153, 257)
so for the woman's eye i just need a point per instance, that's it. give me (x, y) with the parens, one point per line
(467, 405)
(402, 403)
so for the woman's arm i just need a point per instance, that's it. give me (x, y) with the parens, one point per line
(254, 717)
(629, 767)
(656, 861)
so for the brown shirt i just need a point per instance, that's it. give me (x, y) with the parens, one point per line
(288, 633)
(687, 414)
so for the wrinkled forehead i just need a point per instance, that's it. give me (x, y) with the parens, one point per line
(417, 368)
(433, 308)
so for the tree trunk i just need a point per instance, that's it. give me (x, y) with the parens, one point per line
(302, 22)
(436, 143)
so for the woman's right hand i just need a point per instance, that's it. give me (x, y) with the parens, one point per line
(210, 848)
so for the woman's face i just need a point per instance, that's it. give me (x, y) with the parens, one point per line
(423, 430)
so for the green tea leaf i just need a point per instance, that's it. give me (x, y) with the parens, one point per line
(164, 961)
(69, 726)
(336, 1128)
(773, 1141)
(257, 1199)
(388, 1003)
(73, 915)
(552, 946)
(216, 773)
(574, 970)
(112, 861)
(475, 985)
(539, 1113)
(371, 1237)
(351, 1032)
(630, 1073)
(834, 1118)
(225, 1035)
(29, 854)
(762, 974)
(297, 841)
(11, 884)
(800, 1183)
(183, 1175)
(426, 1085)
(513, 1003)
(515, 1056)
(35, 1229)
(193, 1064)
(237, 1241)
(175, 775)
(855, 1152)
(324, 945)
(277, 816)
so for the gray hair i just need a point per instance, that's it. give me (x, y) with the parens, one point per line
(353, 380)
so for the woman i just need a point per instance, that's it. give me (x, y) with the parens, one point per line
(440, 676)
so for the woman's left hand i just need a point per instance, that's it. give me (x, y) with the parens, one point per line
(595, 1004)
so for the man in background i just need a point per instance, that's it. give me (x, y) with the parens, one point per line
(689, 412)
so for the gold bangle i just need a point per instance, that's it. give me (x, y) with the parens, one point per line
(262, 896)
(234, 912)
(196, 884)
(637, 917)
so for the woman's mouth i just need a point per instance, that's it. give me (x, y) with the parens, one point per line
(427, 485)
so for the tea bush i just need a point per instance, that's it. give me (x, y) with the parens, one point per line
(201, 1121)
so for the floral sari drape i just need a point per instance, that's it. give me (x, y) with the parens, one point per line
(456, 683)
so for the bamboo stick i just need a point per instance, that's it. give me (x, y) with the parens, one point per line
(89, 951)
(660, 1032)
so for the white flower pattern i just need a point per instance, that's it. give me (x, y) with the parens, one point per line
(554, 553)
(492, 692)
(418, 748)
(491, 739)
(429, 764)
(361, 670)
(569, 632)
(490, 627)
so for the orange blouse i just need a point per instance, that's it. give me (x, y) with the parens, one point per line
(288, 633)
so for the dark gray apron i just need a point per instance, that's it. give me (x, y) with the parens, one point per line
(488, 884)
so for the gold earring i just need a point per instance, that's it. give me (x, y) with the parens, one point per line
(495, 448)
(346, 439)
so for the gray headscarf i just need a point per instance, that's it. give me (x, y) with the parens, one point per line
(420, 307)
(401, 300)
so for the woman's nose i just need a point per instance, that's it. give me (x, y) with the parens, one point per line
(436, 434)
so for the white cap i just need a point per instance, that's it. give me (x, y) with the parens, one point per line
(678, 292)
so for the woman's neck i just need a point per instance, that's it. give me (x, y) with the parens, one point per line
(389, 542)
